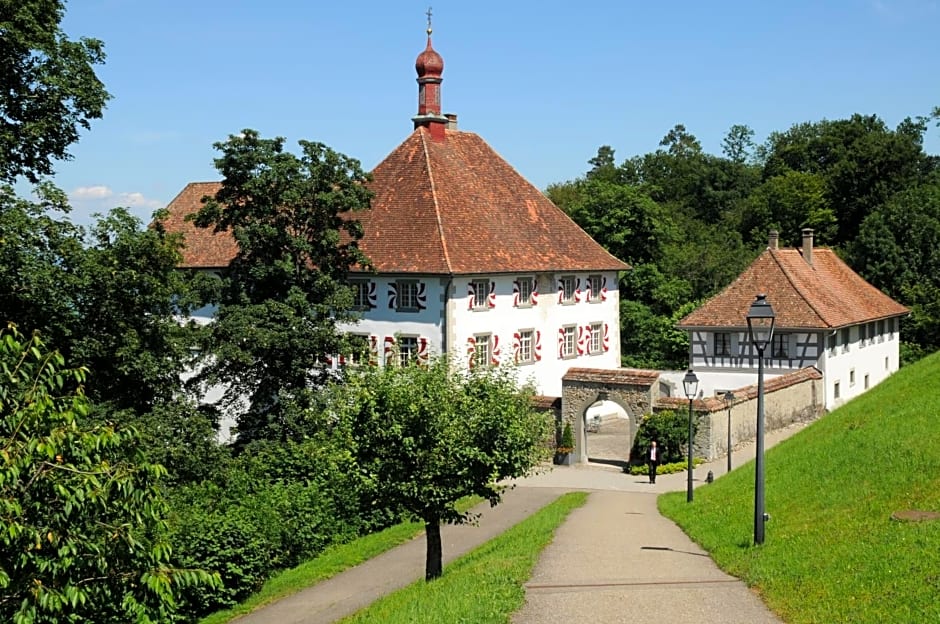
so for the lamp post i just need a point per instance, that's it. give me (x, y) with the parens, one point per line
(728, 398)
(690, 385)
(760, 329)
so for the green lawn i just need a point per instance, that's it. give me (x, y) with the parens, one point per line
(485, 585)
(832, 552)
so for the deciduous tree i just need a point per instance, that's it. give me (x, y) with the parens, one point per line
(293, 217)
(48, 87)
(82, 522)
(427, 436)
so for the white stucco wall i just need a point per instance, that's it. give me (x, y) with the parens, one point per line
(877, 358)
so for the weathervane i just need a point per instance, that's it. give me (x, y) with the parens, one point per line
(429, 21)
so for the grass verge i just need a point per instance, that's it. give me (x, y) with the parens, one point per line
(832, 552)
(328, 564)
(485, 585)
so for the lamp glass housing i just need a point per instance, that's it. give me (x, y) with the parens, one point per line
(760, 322)
(690, 384)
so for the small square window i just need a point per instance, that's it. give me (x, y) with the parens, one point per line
(722, 344)
(566, 289)
(568, 346)
(596, 343)
(781, 346)
(480, 290)
(835, 390)
(360, 288)
(525, 354)
(481, 352)
(595, 286)
(407, 296)
(852, 377)
(407, 349)
(525, 287)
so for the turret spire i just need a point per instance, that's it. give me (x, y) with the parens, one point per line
(429, 65)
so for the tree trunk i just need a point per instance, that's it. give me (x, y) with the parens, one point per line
(433, 567)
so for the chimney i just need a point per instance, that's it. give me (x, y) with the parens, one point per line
(808, 245)
(451, 120)
(773, 241)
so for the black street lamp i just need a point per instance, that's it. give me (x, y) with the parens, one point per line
(760, 328)
(728, 398)
(690, 385)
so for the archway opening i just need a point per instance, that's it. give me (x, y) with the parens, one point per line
(609, 434)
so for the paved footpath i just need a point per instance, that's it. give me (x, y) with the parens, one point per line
(616, 559)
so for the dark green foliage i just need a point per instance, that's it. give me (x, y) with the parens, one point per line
(116, 277)
(861, 161)
(670, 430)
(48, 87)
(427, 436)
(274, 506)
(82, 522)
(566, 445)
(282, 296)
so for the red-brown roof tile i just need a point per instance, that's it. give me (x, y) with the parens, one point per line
(824, 295)
(202, 248)
(440, 207)
(631, 376)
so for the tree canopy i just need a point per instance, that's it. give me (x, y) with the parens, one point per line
(426, 436)
(82, 522)
(293, 217)
(48, 87)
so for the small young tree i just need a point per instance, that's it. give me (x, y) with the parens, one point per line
(82, 529)
(426, 436)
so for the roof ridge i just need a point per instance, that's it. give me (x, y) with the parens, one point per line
(799, 291)
(437, 208)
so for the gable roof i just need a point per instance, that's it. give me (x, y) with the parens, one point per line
(202, 248)
(824, 295)
(440, 207)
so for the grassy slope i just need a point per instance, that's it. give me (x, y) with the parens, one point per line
(485, 585)
(832, 553)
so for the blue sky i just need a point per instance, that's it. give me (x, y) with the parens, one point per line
(545, 83)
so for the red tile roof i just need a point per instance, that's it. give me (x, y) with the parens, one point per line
(440, 207)
(824, 295)
(747, 393)
(203, 248)
(631, 376)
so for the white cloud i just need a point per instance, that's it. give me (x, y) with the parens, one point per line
(91, 192)
(88, 200)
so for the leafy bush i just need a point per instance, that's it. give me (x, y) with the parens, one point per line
(661, 469)
(567, 440)
(276, 505)
(670, 430)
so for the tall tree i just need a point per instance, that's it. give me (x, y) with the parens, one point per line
(427, 436)
(293, 218)
(738, 144)
(862, 161)
(82, 521)
(116, 277)
(48, 87)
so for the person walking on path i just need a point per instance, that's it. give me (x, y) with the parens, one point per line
(652, 457)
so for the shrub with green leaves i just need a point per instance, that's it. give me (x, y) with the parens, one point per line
(670, 430)
(82, 522)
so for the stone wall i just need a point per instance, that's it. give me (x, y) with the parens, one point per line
(792, 398)
(581, 387)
